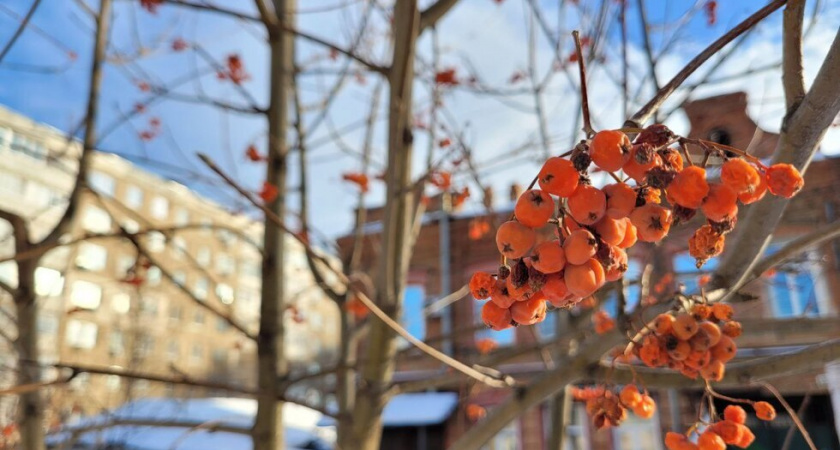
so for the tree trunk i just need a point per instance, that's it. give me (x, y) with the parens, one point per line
(393, 263)
(268, 424)
(346, 382)
(30, 404)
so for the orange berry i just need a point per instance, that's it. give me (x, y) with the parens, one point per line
(724, 350)
(555, 290)
(784, 180)
(519, 292)
(534, 208)
(500, 295)
(652, 222)
(685, 326)
(611, 230)
(646, 407)
(704, 244)
(721, 203)
(712, 331)
(548, 257)
(672, 159)
(679, 351)
(735, 413)
(764, 411)
(495, 317)
(689, 187)
(514, 239)
(713, 371)
(731, 329)
(530, 311)
(610, 149)
(747, 437)
(580, 246)
(730, 430)
(630, 396)
(638, 170)
(621, 199)
(663, 324)
(630, 235)
(701, 311)
(481, 285)
(587, 204)
(709, 440)
(757, 194)
(722, 311)
(619, 266)
(583, 280)
(603, 322)
(559, 177)
(740, 175)
(675, 441)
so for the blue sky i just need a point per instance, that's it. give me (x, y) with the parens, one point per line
(481, 34)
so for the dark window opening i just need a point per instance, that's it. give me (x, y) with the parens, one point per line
(721, 136)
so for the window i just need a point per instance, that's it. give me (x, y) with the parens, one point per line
(145, 345)
(149, 306)
(91, 257)
(48, 282)
(141, 387)
(172, 350)
(9, 273)
(28, 147)
(11, 184)
(116, 343)
(182, 216)
(794, 290)
(197, 354)
(220, 360)
(113, 382)
(121, 303)
(637, 434)
(80, 334)
(96, 220)
(175, 312)
(224, 293)
(413, 318)
(200, 288)
(86, 295)
(153, 276)
(203, 256)
(134, 197)
(179, 278)
(160, 207)
(247, 300)
(250, 268)
(125, 263)
(506, 439)
(198, 317)
(222, 325)
(102, 183)
(47, 325)
(225, 236)
(179, 245)
(224, 264)
(155, 241)
(130, 225)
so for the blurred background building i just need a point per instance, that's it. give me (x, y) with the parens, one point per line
(100, 306)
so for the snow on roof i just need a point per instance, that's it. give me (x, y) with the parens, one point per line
(300, 425)
(418, 409)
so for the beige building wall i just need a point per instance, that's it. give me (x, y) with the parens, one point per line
(91, 313)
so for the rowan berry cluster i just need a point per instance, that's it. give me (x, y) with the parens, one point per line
(595, 227)
(732, 430)
(696, 343)
(608, 408)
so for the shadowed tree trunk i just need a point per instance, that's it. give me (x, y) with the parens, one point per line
(268, 425)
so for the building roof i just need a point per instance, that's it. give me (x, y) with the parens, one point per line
(301, 429)
(414, 410)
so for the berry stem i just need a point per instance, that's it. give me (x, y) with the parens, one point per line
(584, 97)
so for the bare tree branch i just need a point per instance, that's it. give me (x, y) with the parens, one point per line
(19, 30)
(435, 11)
(793, 77)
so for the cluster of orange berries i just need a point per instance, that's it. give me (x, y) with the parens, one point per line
(608, 408)
(699, 342)
(595, 227)
(731, 430)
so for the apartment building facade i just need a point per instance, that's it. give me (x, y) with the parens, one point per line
(798, 305)
(102, 303)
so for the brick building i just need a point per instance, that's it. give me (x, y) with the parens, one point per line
(798, 306)
(88, 312)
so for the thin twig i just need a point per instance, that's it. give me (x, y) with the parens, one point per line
(793, 416)
(584, 96)
(19, 29)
